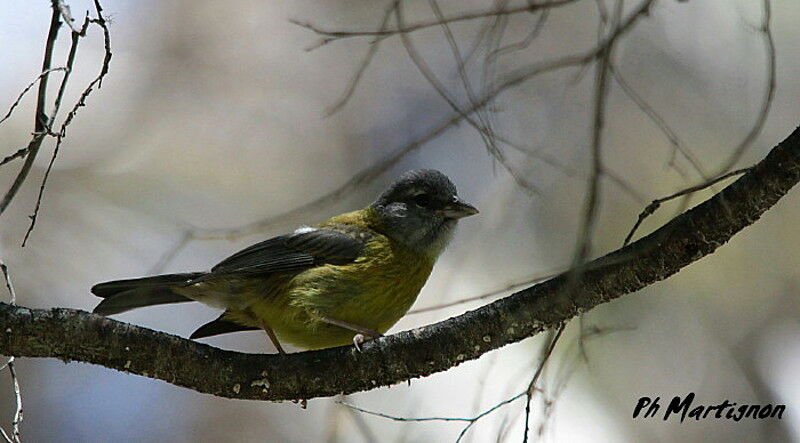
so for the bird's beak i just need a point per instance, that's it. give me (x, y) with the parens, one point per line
(458, 209)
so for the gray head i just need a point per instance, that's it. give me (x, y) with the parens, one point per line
(421, 209)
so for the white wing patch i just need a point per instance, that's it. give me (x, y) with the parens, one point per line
(304, 230)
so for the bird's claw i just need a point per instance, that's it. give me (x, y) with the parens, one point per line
(358, 339)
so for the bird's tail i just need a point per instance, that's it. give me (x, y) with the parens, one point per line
(124, 295)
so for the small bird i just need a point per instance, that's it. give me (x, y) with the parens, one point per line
(342, 281)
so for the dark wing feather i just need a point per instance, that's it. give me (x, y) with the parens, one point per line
(295, 252)
(219, 326)
(328, 246)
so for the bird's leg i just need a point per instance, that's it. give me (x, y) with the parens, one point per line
(359, 338)
(353, 327)
(273, 338)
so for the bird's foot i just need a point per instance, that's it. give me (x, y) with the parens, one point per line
(360, 338)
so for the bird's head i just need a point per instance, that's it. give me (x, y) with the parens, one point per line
(421, 209)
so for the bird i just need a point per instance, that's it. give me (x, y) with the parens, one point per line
(340, 282)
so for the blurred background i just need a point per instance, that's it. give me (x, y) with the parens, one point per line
(213, 116)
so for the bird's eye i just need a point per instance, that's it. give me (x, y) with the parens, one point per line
(422, 200)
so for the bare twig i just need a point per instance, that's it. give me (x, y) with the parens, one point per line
(404, 419)
(18, 398)
(525, 42)
(469, 420)
(769, 93)
(359, 421)
(677, 144)
(96, 82)
(9, 286)
(532, 385)
(362, 178)
(356, 79)
(41, 122)
(21, 152)
(583, 247)
(539, 277)
(28, 88)
(171, 253)
(15, 433)
(655, 204)
(332, 35)
(487, 31)
(567, 367)
(482, 124)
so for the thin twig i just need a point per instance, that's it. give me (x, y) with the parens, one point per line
(21, 152)
(469, 420)
(359, 421)
(96, 82)
(677, 144)
(9, 286)
(487, 30)
(532, 385)
(583, 246)
(655, 204)
(41, 122)
(525, 42)
(769, 93)
(368, 57)
(18, 398)
(510, 287)
(171, 253)
(485, 132)
(333, 35)
(15, 433)
(362, 178)
(28, 88)
(405, 419)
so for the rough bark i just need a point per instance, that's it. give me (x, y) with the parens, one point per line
(70, 334)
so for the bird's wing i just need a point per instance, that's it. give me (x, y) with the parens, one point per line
(305, 248)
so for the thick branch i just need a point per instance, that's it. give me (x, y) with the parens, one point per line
(76, 335)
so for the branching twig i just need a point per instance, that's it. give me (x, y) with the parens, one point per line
(539, 277)
(769, 93)
(535, 379)
(583, 247)
(21, 152)
(371, 51)
(15, 434)
(655, 204)
(474, 419)
(332, 35)
(28, 88)
(677, 144)
(96, 82)
(482, 124)
(41, 121)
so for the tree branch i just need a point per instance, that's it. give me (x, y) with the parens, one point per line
(41, 122)
(70, 334)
